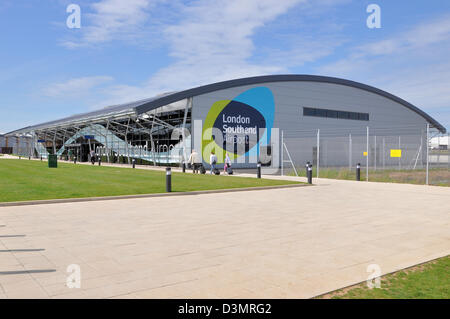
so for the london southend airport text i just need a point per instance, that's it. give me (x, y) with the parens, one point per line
(238, 129)
(207, 311)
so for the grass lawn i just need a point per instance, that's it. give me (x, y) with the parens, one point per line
(428, 281)
(22, 180)
(437, 176)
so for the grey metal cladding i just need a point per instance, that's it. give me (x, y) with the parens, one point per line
(280, 78)
(291, 97)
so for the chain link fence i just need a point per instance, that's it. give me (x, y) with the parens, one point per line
(385, 154)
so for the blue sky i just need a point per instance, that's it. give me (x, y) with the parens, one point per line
(131, 49)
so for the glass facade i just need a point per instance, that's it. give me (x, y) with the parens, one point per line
(154, 138)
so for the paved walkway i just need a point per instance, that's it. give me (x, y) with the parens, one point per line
(295, 243)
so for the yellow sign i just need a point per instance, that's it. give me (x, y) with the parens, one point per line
(396, 153)
(365, 153)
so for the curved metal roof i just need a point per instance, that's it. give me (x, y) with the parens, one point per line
(109, 111)
(281, 78)
(146, 105)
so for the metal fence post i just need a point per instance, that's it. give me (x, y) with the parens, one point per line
(350, 151)
(282, 152)
(421, 149)
(428, 136)
(318, 152)
(367, 156)
(375, 154)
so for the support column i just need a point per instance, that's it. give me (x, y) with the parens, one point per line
(106, 141)
(151, 139)
(126, 141)
(54, 143)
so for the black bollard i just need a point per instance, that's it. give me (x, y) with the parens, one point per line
(184, 167)
(99, 161)
(168, 179)
(310, 174)
(358, 172)
(306, 169)
(41, 158)
(134, 163)
(29, 158)
(258, 166)
(74, 160)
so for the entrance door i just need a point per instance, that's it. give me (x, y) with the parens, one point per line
(85, 152)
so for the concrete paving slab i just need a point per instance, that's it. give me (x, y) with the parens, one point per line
(279, 243)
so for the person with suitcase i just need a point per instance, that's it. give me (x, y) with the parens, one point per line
(195, 162)
(213, 162)
(92, 155)
(227, 167)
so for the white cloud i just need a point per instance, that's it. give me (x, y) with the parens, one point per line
(111, 20)
(419, 41)
(302, 51)
(75, 87)
(426, 86)
(213, 41)
(208, 40)
(419, 37)
(412, 64)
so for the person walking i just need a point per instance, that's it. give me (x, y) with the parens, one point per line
(92, 157)
(213, 161)
(194, 160)
(227, 163)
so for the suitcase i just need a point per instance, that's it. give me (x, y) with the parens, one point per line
(216, 171)
(229, 171)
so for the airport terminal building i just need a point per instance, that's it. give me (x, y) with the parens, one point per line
(299, 115)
